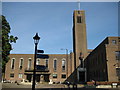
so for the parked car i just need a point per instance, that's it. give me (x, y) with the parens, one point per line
(6, 81)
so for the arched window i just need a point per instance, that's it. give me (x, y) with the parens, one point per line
(46, 63)
(21, 64)
(55, 65)
(13, 63)
(63, 65)
(38, 62)
(29, 63)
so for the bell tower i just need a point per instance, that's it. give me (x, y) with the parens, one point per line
(79, 36)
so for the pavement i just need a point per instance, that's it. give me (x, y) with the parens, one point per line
(56, 89)
(14, 86)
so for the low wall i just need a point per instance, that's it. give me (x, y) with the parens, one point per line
(102, 83)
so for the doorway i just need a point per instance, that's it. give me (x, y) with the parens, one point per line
(29, 77)
(81, 76)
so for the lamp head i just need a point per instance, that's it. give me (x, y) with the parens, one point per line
(36, 38)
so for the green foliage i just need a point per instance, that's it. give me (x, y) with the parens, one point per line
(6, 42)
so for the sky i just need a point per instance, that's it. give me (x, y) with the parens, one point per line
(53, 21)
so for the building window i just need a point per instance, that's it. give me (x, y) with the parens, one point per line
(46, 63)
(79, 19)
(118, 71)
(78, 12)
(12, 75)
(54, 75)
(20, 75)
(63, 76)
(12, 63)
(117, 55)
(21, 64)
(114, 41)
(63, 65)
(119, 39)
(29, 63)
(38, 62)
(55, 65)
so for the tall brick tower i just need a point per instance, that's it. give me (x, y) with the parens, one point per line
(79, 36)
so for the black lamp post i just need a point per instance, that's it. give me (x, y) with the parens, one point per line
(81, 60)
(36, 40)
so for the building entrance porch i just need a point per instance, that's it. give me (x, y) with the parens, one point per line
(81, 75)
(40, 78)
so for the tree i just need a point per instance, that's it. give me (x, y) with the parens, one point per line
(6, 42)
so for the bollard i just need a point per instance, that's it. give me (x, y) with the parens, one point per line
(75, 86)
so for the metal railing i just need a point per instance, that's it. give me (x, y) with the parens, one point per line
(37, 70)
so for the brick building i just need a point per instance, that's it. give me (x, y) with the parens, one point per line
(21, 66)
(103, 63)
(99, 64)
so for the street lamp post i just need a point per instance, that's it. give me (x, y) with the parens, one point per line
(36, 40)
(70, 61)
(66, 60)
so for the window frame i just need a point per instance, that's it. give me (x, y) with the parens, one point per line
(79, 19)
(12, 75)
(63, 69)
(55, 65)
(62, 76)
(13, 63)
(21, 63)
(117, 55)
(54, 76)
(47, 63)
(114, 42)
(20, 75)
(38, 62)
(29, 63)
(118, 71)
